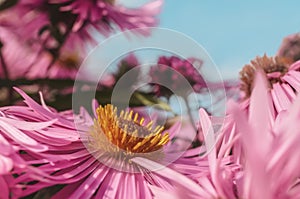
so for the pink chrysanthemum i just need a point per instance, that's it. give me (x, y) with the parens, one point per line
(215, 172)
(9, 160)
(283, 80)
(23, 141)
(169, 70)
(98, 164)
(290, 48)
(270, 154)
(270, 146)
(108, 12)
(59, 25)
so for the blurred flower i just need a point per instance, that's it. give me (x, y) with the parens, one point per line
(108, 80)
(270, 154)
(23, 62)
(170, 69)
(58, 25)
(103, 13)
(270, 146)
(82, 166)
(283, 80)
(124, 67)
(290, 48)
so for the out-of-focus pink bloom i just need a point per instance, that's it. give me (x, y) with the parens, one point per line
(76, 163)
(290, 48)
(283, 80)
(169, 70)
(110, 79)
(270, 154)
(59, 25)
(24, 62)
(103, 13)
(270, 146)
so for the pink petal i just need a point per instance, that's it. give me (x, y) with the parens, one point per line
(21, 138)
(6, 165)
(170, 174)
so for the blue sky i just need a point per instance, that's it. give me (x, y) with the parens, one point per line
(233, 32)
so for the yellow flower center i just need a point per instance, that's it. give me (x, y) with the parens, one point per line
(112, 132)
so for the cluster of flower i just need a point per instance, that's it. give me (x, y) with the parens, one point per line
(252, 152)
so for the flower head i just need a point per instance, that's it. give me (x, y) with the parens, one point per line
(124, 135)
(283, 79)
(102, 13)
(124, 67)
(170, 70)
(75, 151)
(290, 48)
(59, 25)
(268, 148)
(24, 62)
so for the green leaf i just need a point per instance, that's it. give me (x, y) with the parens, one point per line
(149, 100)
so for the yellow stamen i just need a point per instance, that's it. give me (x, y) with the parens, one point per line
(126, 132)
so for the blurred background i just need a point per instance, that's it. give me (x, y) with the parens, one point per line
(233, 32)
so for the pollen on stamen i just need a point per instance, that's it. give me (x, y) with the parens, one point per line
(125, 132)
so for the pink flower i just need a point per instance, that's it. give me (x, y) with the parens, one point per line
(24, 62)
(90, 167)
(283, 80)
(59, 25)
(290, 48)
(270, 146)
(103, 13)
(23, 144)
(214, 174)
(169, 70)
(124, 66)
(269, 160)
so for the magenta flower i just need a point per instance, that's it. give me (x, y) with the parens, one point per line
(23, 143)
(98, 164)
(110, 79)
(169, 70)
(9, 160)
(59, 25)
(283, 80)
(24, 62)
(290, 48)
(103, 13)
